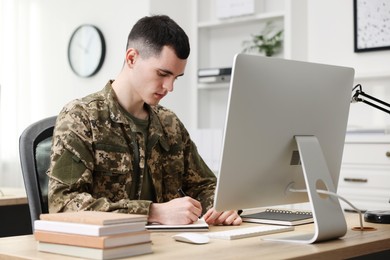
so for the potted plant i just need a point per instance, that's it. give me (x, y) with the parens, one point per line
(268, 41)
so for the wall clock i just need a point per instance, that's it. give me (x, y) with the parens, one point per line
(86, 50)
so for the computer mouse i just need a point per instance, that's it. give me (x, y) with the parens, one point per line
(194, 238)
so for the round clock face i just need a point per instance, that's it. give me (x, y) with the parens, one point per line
(86, 50)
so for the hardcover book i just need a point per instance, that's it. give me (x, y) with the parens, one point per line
(95, 253)
(93, 241)
(94, 217)
(88, 229)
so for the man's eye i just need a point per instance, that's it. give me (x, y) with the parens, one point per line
(162, 74)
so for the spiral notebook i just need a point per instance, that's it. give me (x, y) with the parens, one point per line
(280, 217)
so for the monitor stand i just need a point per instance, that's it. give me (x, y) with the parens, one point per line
(329, 220)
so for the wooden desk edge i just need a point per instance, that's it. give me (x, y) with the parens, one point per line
(351, 246)
(349, 251)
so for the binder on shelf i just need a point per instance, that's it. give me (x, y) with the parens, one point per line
(214, 79)
(214, 75)
(212, 72)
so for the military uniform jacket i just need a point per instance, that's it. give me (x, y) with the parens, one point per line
(97, 159)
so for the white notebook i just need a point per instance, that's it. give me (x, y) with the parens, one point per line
(199, 225)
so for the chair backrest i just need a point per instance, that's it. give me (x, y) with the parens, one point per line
(34, 152)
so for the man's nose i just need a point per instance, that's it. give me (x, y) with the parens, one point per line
(168, 85)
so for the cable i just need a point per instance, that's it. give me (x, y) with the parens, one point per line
(339, 197)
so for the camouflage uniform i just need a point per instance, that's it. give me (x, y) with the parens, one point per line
(95, 150)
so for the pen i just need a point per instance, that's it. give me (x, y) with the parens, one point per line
(181, 192)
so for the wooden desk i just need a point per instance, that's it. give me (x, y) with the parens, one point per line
(12, 196)
(355, 243)
(14, 212)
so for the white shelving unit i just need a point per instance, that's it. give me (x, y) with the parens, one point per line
(218, 40)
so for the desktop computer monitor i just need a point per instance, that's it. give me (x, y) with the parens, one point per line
(285, 129)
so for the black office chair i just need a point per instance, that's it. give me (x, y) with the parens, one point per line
(34, 152)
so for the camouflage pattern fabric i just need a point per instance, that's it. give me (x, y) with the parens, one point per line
(94, 165)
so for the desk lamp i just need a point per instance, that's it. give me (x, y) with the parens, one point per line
(374, 216)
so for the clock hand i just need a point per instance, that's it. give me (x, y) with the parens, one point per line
(82, 47)
(89, 42)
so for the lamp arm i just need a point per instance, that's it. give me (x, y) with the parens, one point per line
(359, 92)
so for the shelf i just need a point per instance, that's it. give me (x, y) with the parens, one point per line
(213, 86)
(375, 138)
(372, 75)
(240, 20)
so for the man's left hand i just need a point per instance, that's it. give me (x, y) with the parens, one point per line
(212, 217)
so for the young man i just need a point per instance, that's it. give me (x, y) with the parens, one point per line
(119, 150)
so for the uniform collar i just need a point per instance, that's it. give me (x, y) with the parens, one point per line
(156, 132)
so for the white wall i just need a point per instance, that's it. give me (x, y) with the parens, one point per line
(57, 21)
(330, 40)
(35, 76)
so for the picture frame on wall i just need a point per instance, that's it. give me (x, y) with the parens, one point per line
(371, 25)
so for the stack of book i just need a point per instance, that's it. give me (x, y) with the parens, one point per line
(93, 234)
(214, 75)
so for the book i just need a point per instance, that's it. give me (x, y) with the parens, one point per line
(279, 217)
(88, 229)
(199, 225)
(94, 217)
(93, 241)
(96, 253)
(209, 72)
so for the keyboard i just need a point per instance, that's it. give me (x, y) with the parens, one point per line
(249, 232)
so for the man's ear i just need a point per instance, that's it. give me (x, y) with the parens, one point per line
(131, 56)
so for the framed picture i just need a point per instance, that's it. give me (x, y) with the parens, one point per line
(371, 25)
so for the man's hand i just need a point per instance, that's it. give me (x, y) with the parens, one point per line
(212, 217)
(178, 211)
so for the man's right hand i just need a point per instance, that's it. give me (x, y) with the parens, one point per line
(178, 211)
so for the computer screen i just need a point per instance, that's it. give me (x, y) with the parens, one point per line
(271, 102)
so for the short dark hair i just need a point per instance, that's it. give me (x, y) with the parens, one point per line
(151, 33)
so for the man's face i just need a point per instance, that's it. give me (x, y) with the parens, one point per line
(154, 76)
